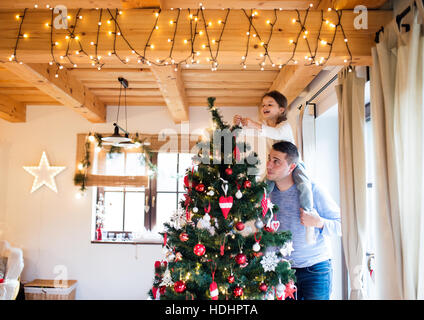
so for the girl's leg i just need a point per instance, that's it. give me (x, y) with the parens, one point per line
(304, 185)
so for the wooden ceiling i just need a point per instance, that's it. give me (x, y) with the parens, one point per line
(89, 91)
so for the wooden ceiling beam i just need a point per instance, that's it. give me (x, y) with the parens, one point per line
(171, 85)
(350, 4)
(292, 80)
(65, 88)
(12, 110)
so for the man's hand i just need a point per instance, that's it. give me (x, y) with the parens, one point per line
(310, 219)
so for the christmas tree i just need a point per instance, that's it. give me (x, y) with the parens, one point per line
(224, 242)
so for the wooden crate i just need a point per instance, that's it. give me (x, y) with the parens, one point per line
(41, 289)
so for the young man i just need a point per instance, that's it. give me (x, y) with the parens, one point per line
(312, 262)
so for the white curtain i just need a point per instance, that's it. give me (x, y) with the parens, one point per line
(351, 101)
(397, 88)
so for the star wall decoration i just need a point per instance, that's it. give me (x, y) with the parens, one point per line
(44, 174)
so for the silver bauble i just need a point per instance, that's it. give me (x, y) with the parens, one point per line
(259, 224)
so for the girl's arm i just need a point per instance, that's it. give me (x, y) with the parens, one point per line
(282, 131)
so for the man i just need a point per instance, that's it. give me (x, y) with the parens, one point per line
(312, 262)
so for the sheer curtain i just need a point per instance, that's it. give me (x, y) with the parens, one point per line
(397, 88)
(350, 94)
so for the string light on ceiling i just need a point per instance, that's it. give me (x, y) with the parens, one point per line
(198, 40)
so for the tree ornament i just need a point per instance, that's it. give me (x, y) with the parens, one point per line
(195, 209)
(225, 203)
(269, 261)
(280, 291)
(156, 294)
(184, 236)
(167, 279)
(247, 184)
(213, 287)
(200, 187)
(178, 256)
(239, 195)
(264, 204)
(270, 295)
(239, 226)
(257, 247)
(180, 286)
(238, 291)
(287, 249)
(230, 278)
(259, 223)
(186, 181)
(241, 258)
(162, 290)
(236, 153)
(228, 171)
(205, 223)
(178, 219)
(210, 193)
(290, 289)
(199, 249)
(263, 287)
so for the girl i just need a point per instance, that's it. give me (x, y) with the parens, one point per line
(276, 128)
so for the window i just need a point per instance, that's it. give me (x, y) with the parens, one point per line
(369, 284)
(129, 213)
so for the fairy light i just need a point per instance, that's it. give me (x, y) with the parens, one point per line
(195, 17)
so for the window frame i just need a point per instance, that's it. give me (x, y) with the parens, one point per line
(150, 216)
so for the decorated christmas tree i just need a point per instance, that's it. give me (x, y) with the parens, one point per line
(224, 242)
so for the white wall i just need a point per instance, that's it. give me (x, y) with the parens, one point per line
(54, 229)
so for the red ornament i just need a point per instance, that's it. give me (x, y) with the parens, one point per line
(239, 226)
(263, 287)
(213, 289)
(230, 278)
(241, 258)
(229, 171)
(247, 184)
(264, 204)
(162, 290)
(238, 291)
(155, 292)
(184, 236)
(99, 234)
(225, 203)
(236, 153)
(290, 289)
(186, 181)
(200, 187)
(199, 249)
(180, 286)
(268, 229)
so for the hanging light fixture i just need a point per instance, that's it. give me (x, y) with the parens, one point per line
(117, 139)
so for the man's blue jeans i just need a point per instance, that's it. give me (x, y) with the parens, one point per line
(314, 282)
